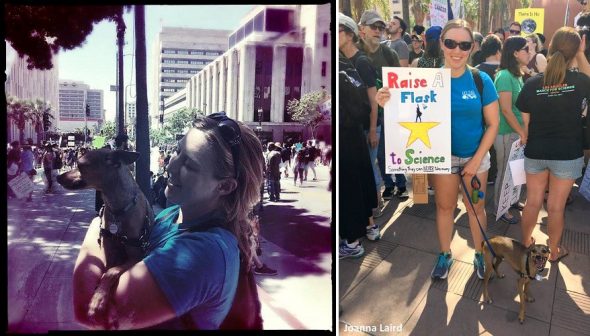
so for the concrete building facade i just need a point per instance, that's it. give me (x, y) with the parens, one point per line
(179, 54)
(277, 54)
(73, 98)
(32, 85)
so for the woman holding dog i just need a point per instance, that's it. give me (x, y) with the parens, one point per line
(198, 248)
(470, 143)
(552, 104)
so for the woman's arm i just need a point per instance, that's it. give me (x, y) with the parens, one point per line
(506, 108)
(492, 119)
(541, 62)
(138, 301)
(526, 118)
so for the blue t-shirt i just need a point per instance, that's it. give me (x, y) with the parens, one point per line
(196, 270)
(466, 112)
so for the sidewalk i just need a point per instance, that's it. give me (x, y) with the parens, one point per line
(389, 289)
(44, 238)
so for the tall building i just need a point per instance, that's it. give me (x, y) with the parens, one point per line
(130, 118)
(278, 53)
(33, 85)
(74, 96)
(179, 54)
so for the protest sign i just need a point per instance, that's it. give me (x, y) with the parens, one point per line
(21, 185)
(438, 13)
(417, 121)
(531, 20)
(98, 141)
(510, 191)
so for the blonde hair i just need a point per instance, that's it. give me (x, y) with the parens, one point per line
(457, 23)
(536, 41)
(562, 49)
(250, 161)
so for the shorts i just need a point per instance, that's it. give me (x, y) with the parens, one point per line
(563, 169)
(459, 162)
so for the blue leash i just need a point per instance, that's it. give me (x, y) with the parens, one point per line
(474, 198)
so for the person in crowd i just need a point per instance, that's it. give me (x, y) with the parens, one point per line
(491, 49)
(298, 168)
(395, 31)
(418, 30)
(476, 56)
(537, 62)
(357, 189)
(196, 248)
(509, 83)
(514, 29)
(286, 159)
(551, 105)
(28, 166)
(48, 158)
(383, 56)
(500, 33)
(273, 172)
(433, 56)
(260, 268)
(13, 163)
(583, 59)
(543, 47)
(310, 155)
(471, 139)
(417, 49)
(15, 152)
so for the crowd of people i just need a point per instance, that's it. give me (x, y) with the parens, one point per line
(529, 93)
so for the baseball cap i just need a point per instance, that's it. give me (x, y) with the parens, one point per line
(369, 17)
(348, 23)
(433, 33)
(416, 38)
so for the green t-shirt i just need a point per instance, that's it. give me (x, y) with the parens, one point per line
(506, 81)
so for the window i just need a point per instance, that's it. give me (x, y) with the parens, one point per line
(168, 51)
(259, 22)
(324, 69)
(279, 20)
(325, 40)
(196, 52)
(182, 52)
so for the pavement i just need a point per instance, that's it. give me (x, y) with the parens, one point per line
(389, 290)
(44, 238)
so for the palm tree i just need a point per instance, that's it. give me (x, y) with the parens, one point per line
(40, 111)
(19, 111)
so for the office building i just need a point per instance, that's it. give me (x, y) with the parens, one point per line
(74, 96)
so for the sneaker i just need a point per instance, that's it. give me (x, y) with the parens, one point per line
(479, 265)
(373, 233)
(431, 191)
(377, 212)
(264, 270)
(402, 193)
(387, 193)
(350, 252)
(442, 267)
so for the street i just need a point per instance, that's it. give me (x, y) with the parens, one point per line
(44, 238)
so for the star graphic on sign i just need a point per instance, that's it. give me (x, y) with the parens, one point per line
(419, 131)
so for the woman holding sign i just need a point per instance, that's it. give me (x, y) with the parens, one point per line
(552, 104)
(474, 125)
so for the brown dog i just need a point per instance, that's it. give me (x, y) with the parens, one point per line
(527, 262)
(126, 219)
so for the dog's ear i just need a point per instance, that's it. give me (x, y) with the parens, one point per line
(122, 156)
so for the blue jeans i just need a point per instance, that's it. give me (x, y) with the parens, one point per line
(274, 189)
(373, 153)
(400, 179)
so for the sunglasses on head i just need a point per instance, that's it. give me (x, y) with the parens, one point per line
(514, 31)
(452, 44)
(230, 131)
(379, 27)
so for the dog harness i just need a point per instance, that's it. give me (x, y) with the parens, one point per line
(528, 272)
(113, 229)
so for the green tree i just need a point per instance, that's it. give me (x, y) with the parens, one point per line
(160, 137)
(109, 130)
(181, 120)
(306, 110)
(20, 112)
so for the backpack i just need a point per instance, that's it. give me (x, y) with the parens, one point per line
(479, 86)
(354, 104)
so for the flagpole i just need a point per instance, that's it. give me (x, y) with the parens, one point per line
(567, 13)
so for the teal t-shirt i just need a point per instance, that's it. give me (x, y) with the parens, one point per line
(196, 270)
(466, 112)
(506, 81)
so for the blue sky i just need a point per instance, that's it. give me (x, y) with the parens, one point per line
(95, 61)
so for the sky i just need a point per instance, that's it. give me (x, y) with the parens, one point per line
(95, 62)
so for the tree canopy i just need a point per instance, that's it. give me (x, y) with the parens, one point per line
(38, 32)
(306, 110)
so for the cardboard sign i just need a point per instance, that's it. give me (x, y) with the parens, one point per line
(510, 191)
(438, 13)
(420, 188)
(21, 185)
(530, 19)
(417, 121)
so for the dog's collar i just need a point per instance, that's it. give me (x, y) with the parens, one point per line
(128, 207)
(528, 272)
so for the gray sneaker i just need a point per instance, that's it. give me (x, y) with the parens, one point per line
(373, 233)
(442, 267)
(350, 252)
(479, 265)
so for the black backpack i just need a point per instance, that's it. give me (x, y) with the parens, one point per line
(354, 103)
(479, 86)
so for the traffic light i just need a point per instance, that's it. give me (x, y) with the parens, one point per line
(46, 122)
(87, 110)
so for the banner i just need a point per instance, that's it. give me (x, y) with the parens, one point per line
(531, 20)
(510, 191)
(98, 141)
(417, 121)
(21, 185)
(438, 13)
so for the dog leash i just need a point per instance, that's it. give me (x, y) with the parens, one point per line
(474, 198)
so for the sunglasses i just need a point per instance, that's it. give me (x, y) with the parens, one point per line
(526, 48)
(452, 44)
(514, 31)
(377, 27)
(230, 131)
